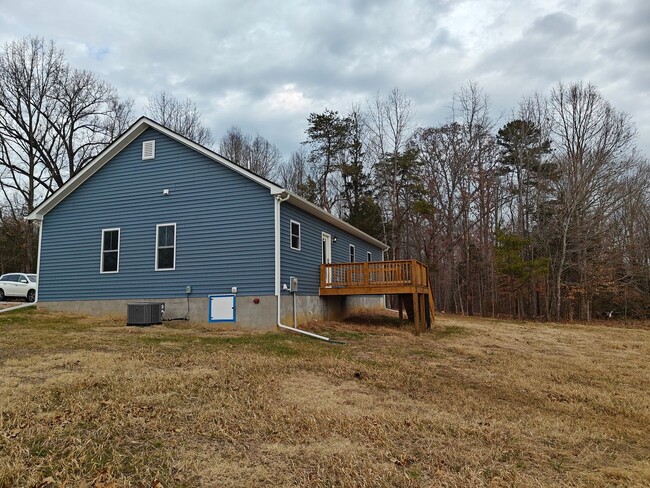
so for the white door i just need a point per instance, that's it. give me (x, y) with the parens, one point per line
(327, 257)
(222, 308)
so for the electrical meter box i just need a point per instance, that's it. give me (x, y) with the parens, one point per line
(293, 284)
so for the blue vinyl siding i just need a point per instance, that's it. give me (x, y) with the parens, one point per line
(305, 264)
(224, 229)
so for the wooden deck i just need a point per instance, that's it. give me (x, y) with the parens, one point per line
(407, 278)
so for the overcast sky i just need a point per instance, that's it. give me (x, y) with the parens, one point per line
(264, 66)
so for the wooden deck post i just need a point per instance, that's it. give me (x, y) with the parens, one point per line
(416, 313)
(400, 306)
(423, 312)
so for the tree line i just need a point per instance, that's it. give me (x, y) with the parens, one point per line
(545, 214)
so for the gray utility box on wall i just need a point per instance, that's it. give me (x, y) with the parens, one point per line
(293, 284)
(144, 313)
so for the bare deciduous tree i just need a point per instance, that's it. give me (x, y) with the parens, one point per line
(389, 121)
(593, 145)
(254, 153)
(182, 117)
(53, 121)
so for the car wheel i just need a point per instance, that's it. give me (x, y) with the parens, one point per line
(31, 295)
(2, 295)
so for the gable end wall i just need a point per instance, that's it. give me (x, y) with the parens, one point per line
(224, 225)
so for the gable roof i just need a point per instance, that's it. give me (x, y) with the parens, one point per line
(142, 124)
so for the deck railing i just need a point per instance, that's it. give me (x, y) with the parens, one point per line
(374, 274)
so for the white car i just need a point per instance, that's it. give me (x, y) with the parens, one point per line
(21, 285)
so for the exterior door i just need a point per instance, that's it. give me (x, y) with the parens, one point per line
(327, 257)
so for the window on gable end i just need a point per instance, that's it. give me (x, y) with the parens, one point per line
(110, 260)
(352, 253)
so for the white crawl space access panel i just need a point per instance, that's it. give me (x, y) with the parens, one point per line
(221, 308)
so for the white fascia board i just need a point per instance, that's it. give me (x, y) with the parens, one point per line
(315, 210)
(120, 143)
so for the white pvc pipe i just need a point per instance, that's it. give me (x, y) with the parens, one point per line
(310, 334)
(278, 292)
(18, 307)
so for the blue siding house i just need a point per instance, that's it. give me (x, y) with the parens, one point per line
(157, 217)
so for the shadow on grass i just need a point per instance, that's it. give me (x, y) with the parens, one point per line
(365, 324)
(376, 319)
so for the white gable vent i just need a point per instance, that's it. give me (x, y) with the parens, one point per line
(149, 150)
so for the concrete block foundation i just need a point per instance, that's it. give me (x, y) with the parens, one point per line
(310, 307)
(249, 315)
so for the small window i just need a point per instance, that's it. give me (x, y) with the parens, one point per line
(352, 253)
(295, 235)
(149, 150)
(369, 256)
(110, 261)
(165, 247)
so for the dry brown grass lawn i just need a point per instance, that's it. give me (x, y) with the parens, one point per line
(88, 402)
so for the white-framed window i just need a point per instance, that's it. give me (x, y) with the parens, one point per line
(149, 150)
(165, 247)
(352, 251)
(110, 258)
(294, 231)
(369, 257)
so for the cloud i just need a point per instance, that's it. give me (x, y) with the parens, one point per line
(266, 65)
(554, 26)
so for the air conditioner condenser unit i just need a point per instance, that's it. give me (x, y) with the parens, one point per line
(145, 313)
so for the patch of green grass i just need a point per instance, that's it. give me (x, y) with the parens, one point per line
(423, 353)
(33, 318)
(448, 331)
(414, 473)
(351, 336)
(39, 447)
(273, 343)
(17, 316)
